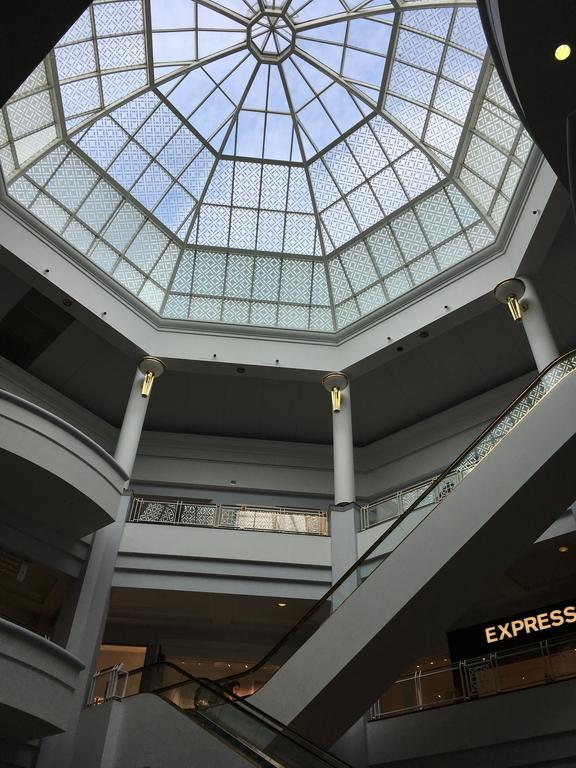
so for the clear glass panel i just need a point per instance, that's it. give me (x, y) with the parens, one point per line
(237, 722)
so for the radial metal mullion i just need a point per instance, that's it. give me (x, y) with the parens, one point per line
(337, 78)
(438, 75)
(289, 177)
(217, 87)
(196, 35)
(312, 197)
(464, 142)
(235, 114)
(148, 42)
(223, 11)
(53, 82)
(98, 68)
(300, 8)
(335, 18)
(390, 59)
(344, 49)
(265, 120)
(473, 113)
(317, 96)
(251, 298)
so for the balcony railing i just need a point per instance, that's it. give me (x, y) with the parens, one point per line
(157, 511)
(502, 672)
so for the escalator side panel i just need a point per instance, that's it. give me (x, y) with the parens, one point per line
(422, 588)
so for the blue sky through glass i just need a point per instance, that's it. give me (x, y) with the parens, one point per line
(298, 164)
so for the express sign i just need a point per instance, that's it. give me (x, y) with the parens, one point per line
(528, 624)
(544, 623)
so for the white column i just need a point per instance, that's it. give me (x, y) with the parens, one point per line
(536, 327)
(343, 447)
(344, 526)
(131, 430)
(89, 621)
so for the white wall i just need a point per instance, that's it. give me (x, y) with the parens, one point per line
(223, 561)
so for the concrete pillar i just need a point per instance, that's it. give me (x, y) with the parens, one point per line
(342, 438)
(131, 430)
(525, 305)
(352, 747)
(87, 627)
(344, 482)
(537, 329)
(344, 527)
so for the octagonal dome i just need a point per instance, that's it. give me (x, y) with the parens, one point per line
(296, 165)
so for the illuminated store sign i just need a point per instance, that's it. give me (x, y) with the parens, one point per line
(510, 631)
(538, 623)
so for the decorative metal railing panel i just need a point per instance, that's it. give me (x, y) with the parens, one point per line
(239, 517)
(393, 505)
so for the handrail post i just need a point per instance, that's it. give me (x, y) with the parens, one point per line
(418, 688)
(463, 680)
(496, 673)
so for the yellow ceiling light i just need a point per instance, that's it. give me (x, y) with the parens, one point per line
(562, 52)
(562, 549)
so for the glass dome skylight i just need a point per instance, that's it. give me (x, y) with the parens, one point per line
(294, 165)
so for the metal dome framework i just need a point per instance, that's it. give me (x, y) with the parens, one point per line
(298, 165)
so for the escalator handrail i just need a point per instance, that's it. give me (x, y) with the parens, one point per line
(228, 697)
(399, 520)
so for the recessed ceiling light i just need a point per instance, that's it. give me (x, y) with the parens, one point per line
(562, 549)
(562, 52)
(282, 605)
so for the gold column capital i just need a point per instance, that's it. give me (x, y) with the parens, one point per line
(152, 368)
(510, 292)
(335, 383)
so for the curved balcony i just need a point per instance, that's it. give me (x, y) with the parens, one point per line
(38, 680)
(53, 473)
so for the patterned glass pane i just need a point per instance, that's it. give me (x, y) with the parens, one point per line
(267, 168)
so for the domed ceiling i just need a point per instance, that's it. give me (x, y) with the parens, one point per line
(295, 165)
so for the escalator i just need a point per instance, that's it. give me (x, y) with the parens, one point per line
(413, 583)
(429, 565)
(251, 733)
